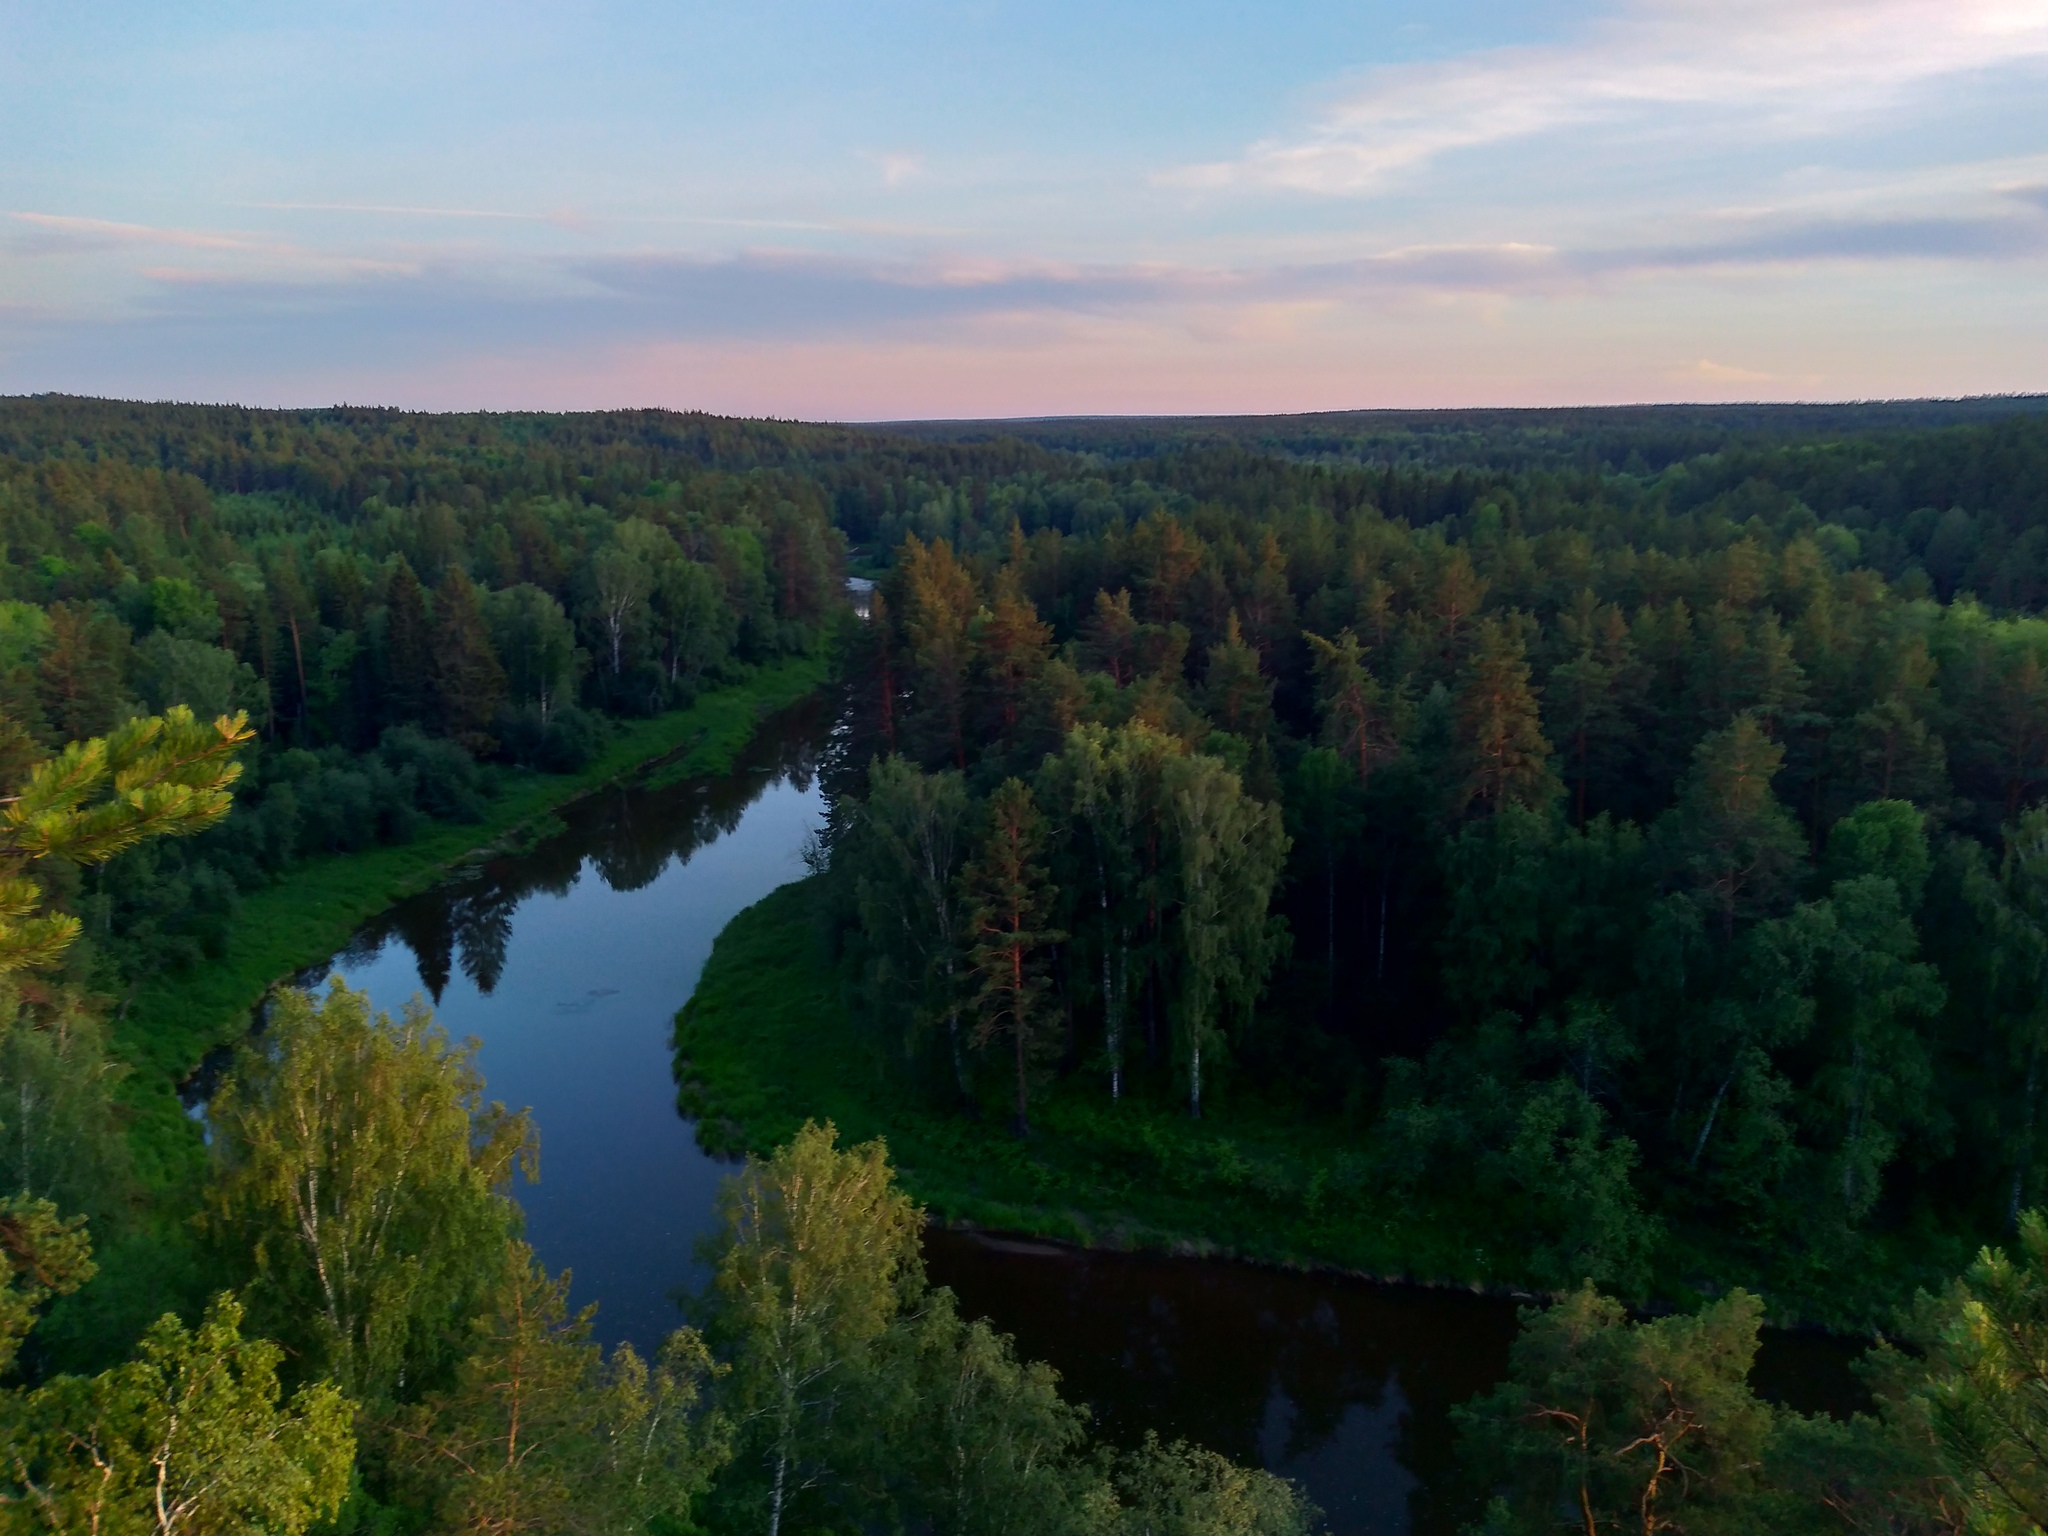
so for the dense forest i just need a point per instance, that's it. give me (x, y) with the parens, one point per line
(1627, 826)
(1655, 857)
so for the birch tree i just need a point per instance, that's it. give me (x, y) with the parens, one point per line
(361, 1167)
(818, 1252)
(1229, 852)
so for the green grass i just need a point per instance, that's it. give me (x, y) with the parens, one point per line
(171, 1023)
(767, 1042)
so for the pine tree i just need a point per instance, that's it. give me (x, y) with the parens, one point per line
(1352, 705)
(469, 684)
(1729, 842)
(1236, 694)
(937, 601)
(1010, 900)
(1499, 724)
(408, 648)
(1109, 637)
(160, 776)
(79, 673)
(1011, 647)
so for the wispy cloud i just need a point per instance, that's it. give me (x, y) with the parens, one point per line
(784, 294)
(1780, 66)
(1723, 373)
(238, 256)
(58, 233)
(898, 167)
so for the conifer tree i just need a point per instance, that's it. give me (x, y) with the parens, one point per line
(1236, 693)
(1009, 900)
(469, 683)
(1499, 724)
(79, 672)
(1011, 647)
(1110, 636)
(938, 605)
(1352, 705)
(1729, 842)
(408, 647)
(1628, 1426)
(159, 776)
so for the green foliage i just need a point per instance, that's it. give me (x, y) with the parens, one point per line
(60, 1134)
(859, 1398)
(1008, 901)
(818, 1256)
(1979, 1391)
(190, 1437)
(1229, 849)
(161, 776)
(1608, 1425)
(360, 1171)
(1183, 1490)
(541, 1432)
(969, 1438)
(47, 1255)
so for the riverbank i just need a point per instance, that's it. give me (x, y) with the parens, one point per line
(768, 1041)
(165, 1029)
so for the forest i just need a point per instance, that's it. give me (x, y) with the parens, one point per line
(1624, 829)
(1652, 858)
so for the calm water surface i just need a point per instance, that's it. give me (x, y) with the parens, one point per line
(568, 964)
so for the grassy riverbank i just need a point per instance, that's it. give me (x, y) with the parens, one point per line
(768, 1041)
(167, 1026)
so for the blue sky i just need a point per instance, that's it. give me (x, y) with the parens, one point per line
(920, 209)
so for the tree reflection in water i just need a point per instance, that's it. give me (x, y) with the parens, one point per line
(628, 833)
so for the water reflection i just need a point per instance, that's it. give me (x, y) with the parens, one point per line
(1345, 1386)
(628, 835)
(567, 963)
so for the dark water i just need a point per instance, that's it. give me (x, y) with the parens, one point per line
(569, 962)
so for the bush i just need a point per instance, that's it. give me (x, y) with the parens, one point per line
(565, 742)
(446, 783)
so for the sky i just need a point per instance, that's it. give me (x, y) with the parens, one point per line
(907, 208)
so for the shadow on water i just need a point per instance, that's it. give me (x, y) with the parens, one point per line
(1345, 1385)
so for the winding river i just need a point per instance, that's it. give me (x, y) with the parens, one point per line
(568, 962)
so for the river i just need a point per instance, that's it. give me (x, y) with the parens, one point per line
(568, 962)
